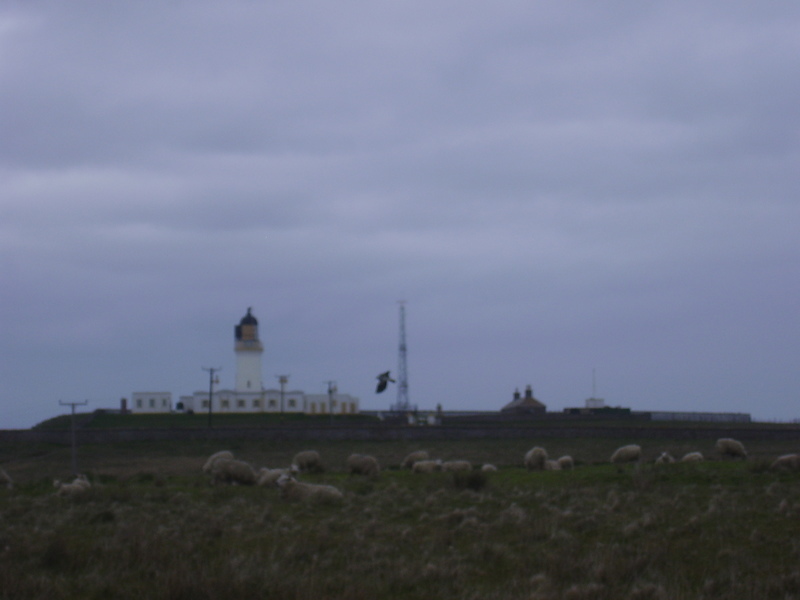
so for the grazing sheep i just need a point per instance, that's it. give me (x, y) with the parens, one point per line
(79, 486)
(787, 462)
(427, 466)
(269, 477)
(626, 454)
(552, 465)
(535, 459)
(566, 462)
(457, 465)
(5, 479)
(214, 457)
(308, 460)
(409, 460)
(363, 464)
(294, 490)
(731, 448)
(665, 458)
(692, 457)
(230, 470)
(488, 468)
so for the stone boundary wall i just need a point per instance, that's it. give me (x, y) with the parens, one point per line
(380, 432)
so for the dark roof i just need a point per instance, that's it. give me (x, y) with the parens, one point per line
(524, 404)
(248, 319)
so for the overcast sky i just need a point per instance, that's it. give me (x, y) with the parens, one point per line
(553, 187)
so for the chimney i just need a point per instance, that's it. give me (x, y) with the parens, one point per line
(528, 393)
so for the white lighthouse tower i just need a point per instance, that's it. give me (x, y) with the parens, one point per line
(248, 355)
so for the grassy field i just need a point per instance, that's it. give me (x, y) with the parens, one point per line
(152, 526)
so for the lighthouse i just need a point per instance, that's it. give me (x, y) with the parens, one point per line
(248, 354)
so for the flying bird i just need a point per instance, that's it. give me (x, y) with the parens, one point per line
(383, 381)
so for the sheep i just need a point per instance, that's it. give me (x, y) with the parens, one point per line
(408, 461)
(692, 457)
(230, 470)
(308, 460)
(787, 462)
(488, 468)
(535, 459)
(213, 458)
(457, 465)
(730, 448)
(566, 462)
(79, 486)
(363, 464)
(5, 479)
(552, 465)
(269, 477)
(625, 454)
(665, 458)
(427, 466)
(294, 490)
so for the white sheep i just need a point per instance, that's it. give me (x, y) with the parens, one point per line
(552, 465)
(728, 447)
(363, 464)
(693, 457)
(294, 490)
(625, 454)
(457, 465)
(415, 456)
(535, 459)
(566, 462)
(787, 462)
(269, 477)
(5, 479)
(308, 460)
(214, 457)
(488, 468)
(230, 470)
(80, 485)
(427, 466)
(665, 458)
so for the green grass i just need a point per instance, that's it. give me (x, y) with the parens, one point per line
(104, 420)
(152, 526)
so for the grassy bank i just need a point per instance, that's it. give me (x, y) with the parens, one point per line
(106, 420)
(152, 526)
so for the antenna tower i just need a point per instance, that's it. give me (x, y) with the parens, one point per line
(402, 404)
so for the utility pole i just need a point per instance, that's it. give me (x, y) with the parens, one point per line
(74, 444)
(211, 382)
(283, 380)
(331, 391)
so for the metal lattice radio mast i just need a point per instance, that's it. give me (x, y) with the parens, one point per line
(402, 404)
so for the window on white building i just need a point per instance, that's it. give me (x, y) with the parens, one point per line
(152, 402)
(256, 403)
(240, 403)
(273, 404)
(138, 403)
(292, 403)
(204, 404)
